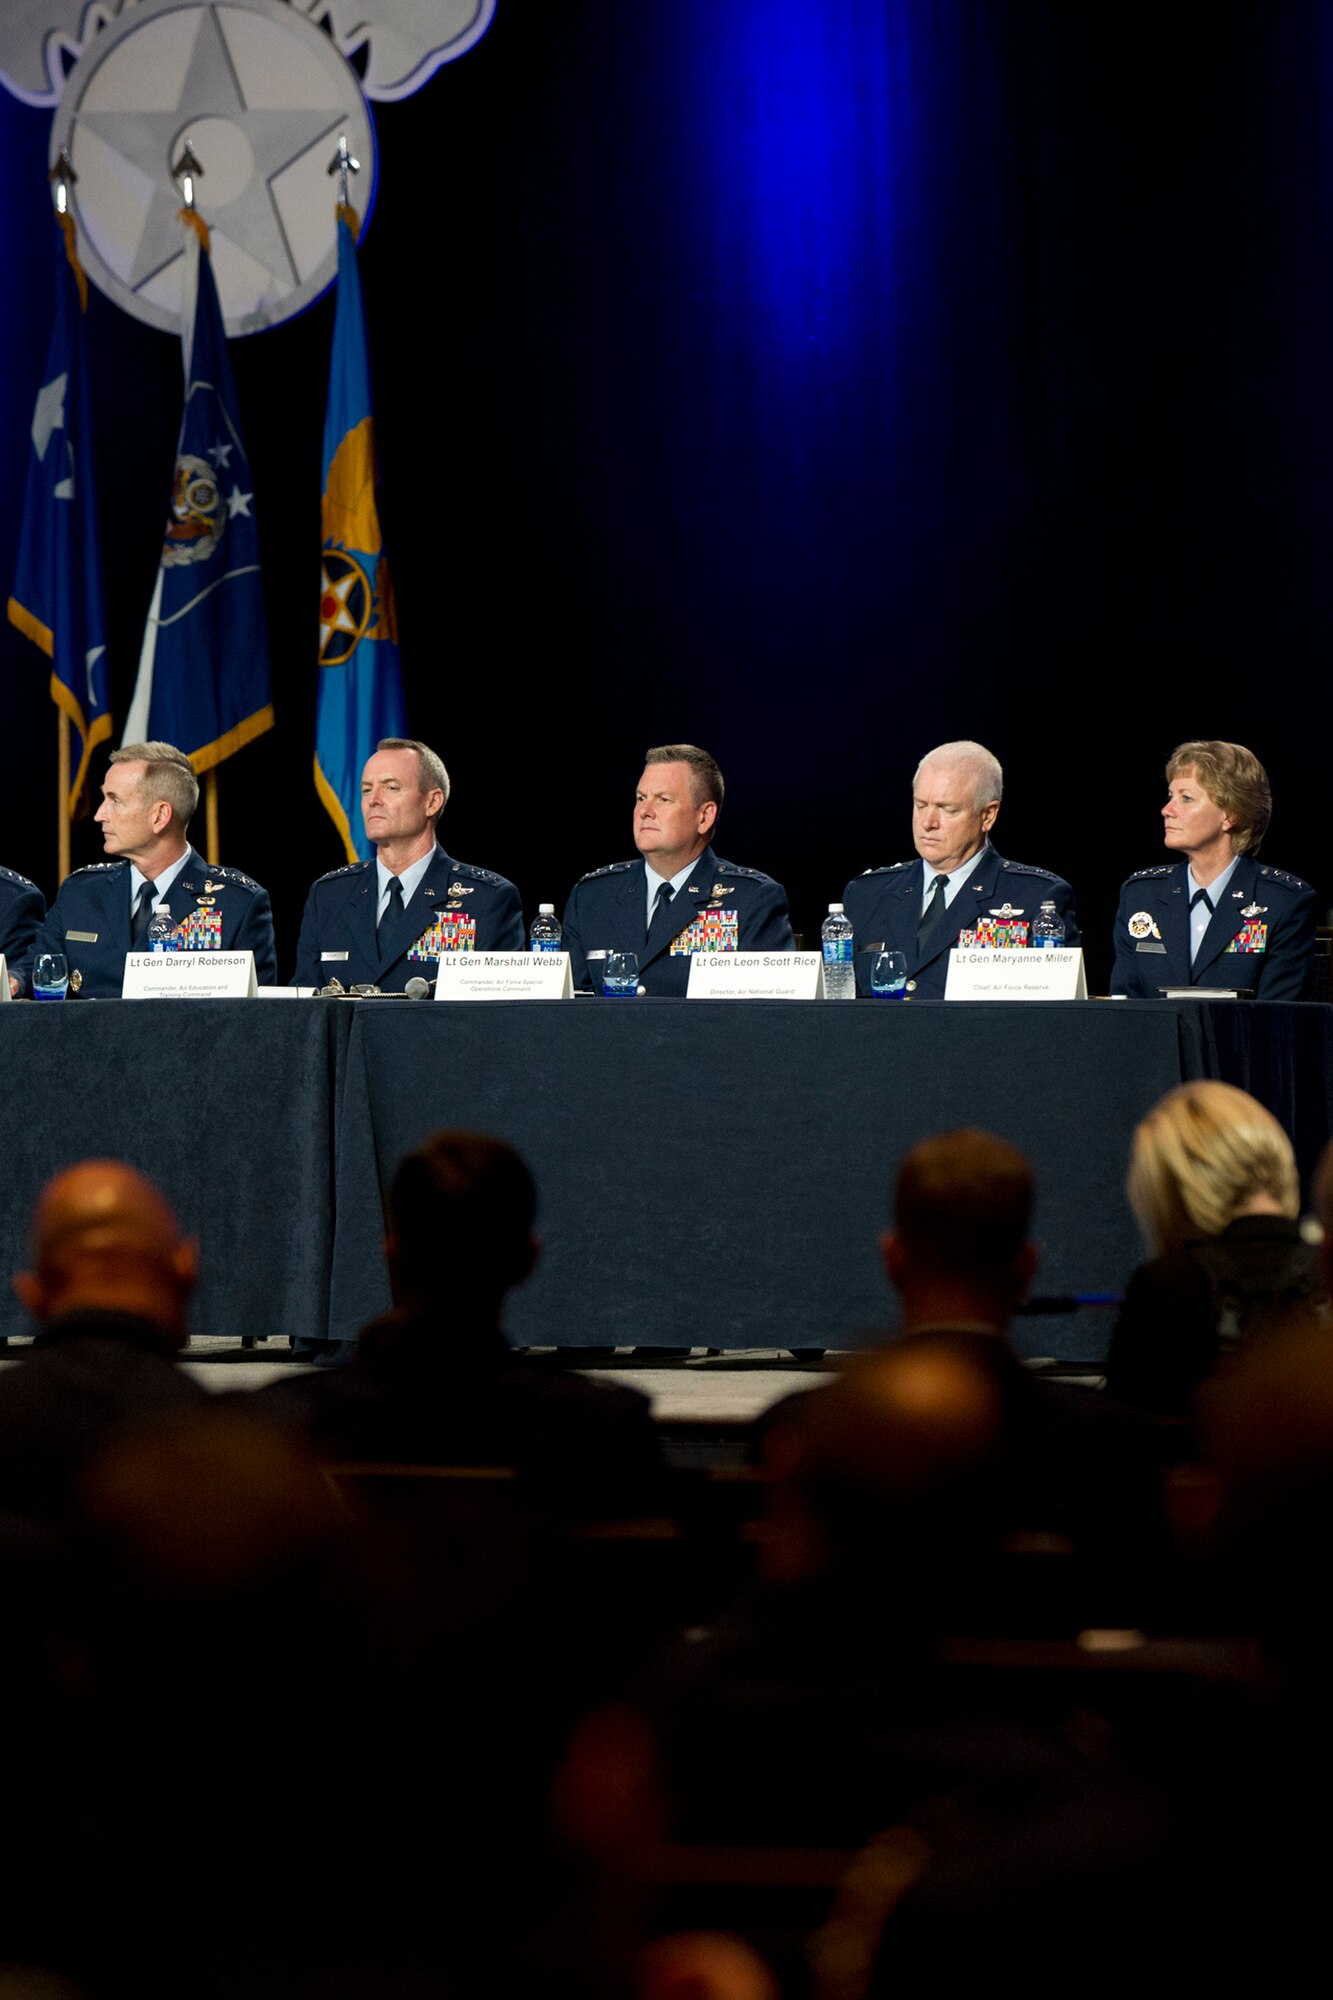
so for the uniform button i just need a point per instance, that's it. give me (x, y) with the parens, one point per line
(911, 986)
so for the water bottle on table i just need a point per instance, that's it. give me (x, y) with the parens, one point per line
(1048, 933)
(161, 930)
(839, 972)
(546, 933)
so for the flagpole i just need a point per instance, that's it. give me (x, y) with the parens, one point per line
(62, 792)
(211, 817)
(62, 176)
(186, 170)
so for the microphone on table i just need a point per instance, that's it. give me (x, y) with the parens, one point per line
(417, 988)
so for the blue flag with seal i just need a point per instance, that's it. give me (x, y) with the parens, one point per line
(203, 671)
(360, 694)
(57, 596)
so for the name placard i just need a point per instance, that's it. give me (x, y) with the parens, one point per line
(756, 975)
(189, 975)
(1016, 975)
(504, 975)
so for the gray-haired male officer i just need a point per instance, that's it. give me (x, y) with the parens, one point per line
(103, 912)
(383, 922)
(959, 884)
(678, 897)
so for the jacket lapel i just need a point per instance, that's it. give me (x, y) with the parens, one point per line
(419, 910)
(971, 902)
(689, 899)
(1226, 918)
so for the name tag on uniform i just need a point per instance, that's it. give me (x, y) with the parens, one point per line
(81, 937)
(329, 956)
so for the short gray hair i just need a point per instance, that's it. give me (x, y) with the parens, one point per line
(430, 768)
(706, 778)
(990, 778)
(170, 774)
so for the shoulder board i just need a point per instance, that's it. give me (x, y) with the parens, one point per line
(611, 868)
(1147, 874)
(234, 875)
(99, 867)
(348, 868)
(477, 874)
(734, 868)
(1281, 875)
(1025, 868)
(12, 875)
(890, 868)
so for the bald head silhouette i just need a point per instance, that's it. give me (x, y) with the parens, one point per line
(105, 1240)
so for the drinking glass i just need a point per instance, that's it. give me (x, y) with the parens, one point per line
(50, 976)
(621, 979)
(888, 976)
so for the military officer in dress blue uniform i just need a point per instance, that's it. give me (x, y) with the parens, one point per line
(22, 907)
(104, 911)
(383, 922)
(1216, 917)
(960, 890)
(678, 898)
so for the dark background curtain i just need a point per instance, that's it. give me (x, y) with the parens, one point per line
(812, 379)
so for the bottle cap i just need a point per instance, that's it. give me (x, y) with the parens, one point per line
(546, 909)
(835, 909)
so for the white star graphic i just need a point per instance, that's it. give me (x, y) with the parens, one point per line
(49, 414)
(220, 455)
(239, 503)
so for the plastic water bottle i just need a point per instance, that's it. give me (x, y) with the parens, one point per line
(161, 930)
(1048, 933)
(839, 972)
(546, 933)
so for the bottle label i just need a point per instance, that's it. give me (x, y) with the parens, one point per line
(547, 944)
(837, 951)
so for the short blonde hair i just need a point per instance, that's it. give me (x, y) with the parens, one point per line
(1235, 781)
(1199, 1156)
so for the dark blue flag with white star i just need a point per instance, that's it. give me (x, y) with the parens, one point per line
(57, 596)
(204, 672)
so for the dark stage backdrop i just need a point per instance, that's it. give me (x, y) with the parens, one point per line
(815, 381)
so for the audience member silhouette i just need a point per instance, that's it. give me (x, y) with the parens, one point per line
(109, 1286)
(435, 1382)
(1214, 1186)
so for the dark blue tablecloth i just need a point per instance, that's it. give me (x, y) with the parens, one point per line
(717, 1174)
(230, 1106)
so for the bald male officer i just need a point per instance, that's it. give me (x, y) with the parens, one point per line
(22, 907)
(383, 922)
(104, 911)
(959, 884)
(677, 898)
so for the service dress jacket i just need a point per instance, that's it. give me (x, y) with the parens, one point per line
(884, 905)
(720, 907)
(1261, 934)
(454, 907)
(212, 909)
(22, 907)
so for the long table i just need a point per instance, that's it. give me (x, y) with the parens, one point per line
(710, 1172)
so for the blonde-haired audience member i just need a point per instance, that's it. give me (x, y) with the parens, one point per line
(1213, 1185)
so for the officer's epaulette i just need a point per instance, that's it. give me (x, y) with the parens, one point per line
(890, 868)
(1281, 875)
(98, 867)
(478, 874)
(1147, 874)
(12, 875)
(611, 868)
(734, 868)
(1026, 868)
(235, 875)
(348, 868)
